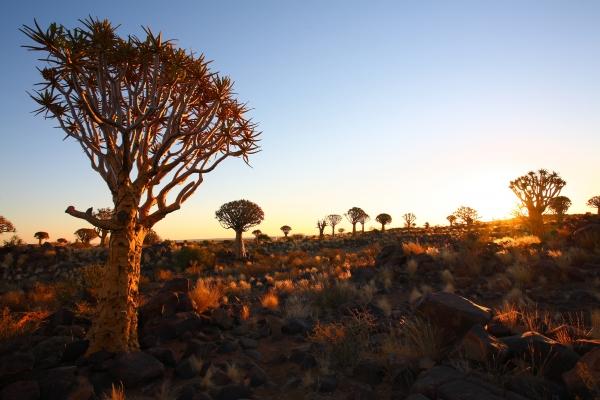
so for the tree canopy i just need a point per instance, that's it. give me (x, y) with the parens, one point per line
(240, 215)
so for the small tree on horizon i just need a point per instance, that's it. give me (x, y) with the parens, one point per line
(451, 219)
(105, 214)
(333, 220)
(151, 238)
(364, 218)
(239, 215)
(559, 206)
(467, 215)
(354, 216)
(6, 226)
(86, 235)
(594, 202)
(535, 190)
(257, 233)
(153, 119)
(321, 225)
(41, 236)
(286, 229)
(409, 220)
(383, 219)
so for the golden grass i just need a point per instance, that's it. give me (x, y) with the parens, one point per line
(412, 248)
(13, 325)
(270, 300)
(414, 338)
(116, 393)
(206, 295)
(164, 275)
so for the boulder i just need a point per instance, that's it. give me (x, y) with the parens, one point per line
(136, 368)
(21, 390)
(369, 372)
(49, 353)
(479, 345)
(391, 256)
(584, 374)
(16, 363)
(233, 392)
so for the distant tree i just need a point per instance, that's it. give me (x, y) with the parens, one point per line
(341, 230)
(409, 220)
(41, 236)
(62, 241)
(332, 221)
(364, 218)
(593, 202)
(239, 215)
(13, 241)
(467, 215)
(354, 216)
(286, 230)
(383, 219)
(153, 119)
(257, 233)
(321, 225)
(86, 235)
(6, 225)
(105, 214)
(263, 237)
(451, 218)
(535, 191)
(559, 206)
(426, 225)
(151, 238)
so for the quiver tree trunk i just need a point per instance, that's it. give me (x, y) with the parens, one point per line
(382, 227)
(321, 234)
(103, 234)
(240, 249)
(115, 325)
(536, 222)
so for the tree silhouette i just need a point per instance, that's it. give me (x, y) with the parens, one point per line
(559, 206)
(321, 225)
(451, 219)
(41, 236)
(383, 219)
(535, 191)
(239, 215)
(153, 119)
(332, 221)
(257, 233)
(62, 241)
(285, 229)
(86, 235)
(354, 216)
(364, 218)
(103, 214)
(467, 215)
(151, 238)
(409, 220)
(6, 225)
(594, 202)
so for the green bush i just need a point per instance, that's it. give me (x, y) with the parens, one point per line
(190, 255)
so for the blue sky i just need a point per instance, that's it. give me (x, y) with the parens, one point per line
(392, 106)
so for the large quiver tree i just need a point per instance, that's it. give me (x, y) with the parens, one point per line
(152, 119)
(239, 215)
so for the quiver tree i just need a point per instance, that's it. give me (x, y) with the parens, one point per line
(409, 220)
(535, 191)
(103, 214)
(467, 215)
(286, 230)
(364, 218)
(239, 215)
(332, 221)
(593, 202)
(354, 216)
(257, 233)
(6, 225)
(86, 235)
(152, 119)
(451, 219)
(559, 206)
(321, 225)
(383, 219)
(41, 236)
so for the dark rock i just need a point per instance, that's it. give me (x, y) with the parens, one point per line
(368, 372)
(391, 256)
(75, 350)
(254, 354)
(227, 346)
(453, 314)
(303, 359)
(97, 360)
(327, 383)
(164, 355)
(173, 326)
(57, 383)
(478, 345)
(177, 285)
(222, 318)
(586, 371)
(199, 348)
(582, 346)
(294, 326)
(534, 387)
(428, 381)
(134, 369)
(21, 390)
(233, 392)
(257, 376)
(16, 363)
(188, 368)
(248, 343)
(49, 353)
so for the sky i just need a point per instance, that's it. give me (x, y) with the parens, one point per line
(392, 106)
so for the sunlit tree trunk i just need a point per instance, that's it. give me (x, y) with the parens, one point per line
(536, 222)
(382, 227)
(353, 229)
(240, 249)
(115, 325)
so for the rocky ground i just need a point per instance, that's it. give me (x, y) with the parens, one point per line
(448, 314)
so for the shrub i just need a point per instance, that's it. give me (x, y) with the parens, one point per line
(414, 338)
(13, 325)
(192, 255)
(270, 300)
(412, 248)
(206, 295)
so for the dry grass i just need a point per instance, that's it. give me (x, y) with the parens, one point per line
(206, 295)
(234, 373)
(116, 393)
(164, 275)
(520, 241)
(595, 322)
(270, 300)
(245, 313)
(414, 338)
(522, 274)
(13, 325)
(411, 267)
(412, 248)
(297, 307)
